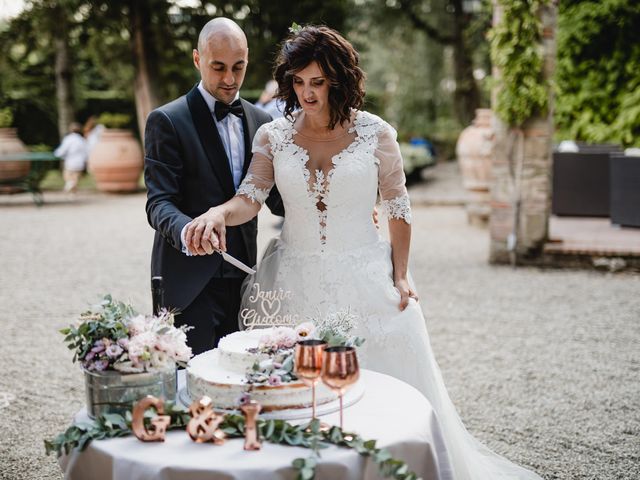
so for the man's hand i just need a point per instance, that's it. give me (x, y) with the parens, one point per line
(406, 292)
(207, 233)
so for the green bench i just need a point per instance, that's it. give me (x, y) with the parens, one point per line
(41, 163)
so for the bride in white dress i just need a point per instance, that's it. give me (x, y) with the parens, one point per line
(330, 161)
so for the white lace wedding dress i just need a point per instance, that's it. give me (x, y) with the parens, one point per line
(330, 257)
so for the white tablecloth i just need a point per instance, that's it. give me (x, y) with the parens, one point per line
(392, 412)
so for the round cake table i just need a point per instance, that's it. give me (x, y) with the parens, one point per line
(392, 412)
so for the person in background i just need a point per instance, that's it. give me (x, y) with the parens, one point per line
(92, 131)
(73, 151)
(267, 101)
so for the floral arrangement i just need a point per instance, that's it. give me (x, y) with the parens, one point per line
(279, 343)
(113, 336)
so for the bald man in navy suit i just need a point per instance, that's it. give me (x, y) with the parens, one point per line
(197, 151)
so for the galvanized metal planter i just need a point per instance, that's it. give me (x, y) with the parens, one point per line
(114, 392)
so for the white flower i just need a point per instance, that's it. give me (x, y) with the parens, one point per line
(265, 364)
(340, 323)
(141, 344)
(160, 360)
(137, 325)
(182, 353)
(305, 331)
(127, 367)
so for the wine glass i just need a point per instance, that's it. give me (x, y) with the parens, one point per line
(340, 370)
(308, 366)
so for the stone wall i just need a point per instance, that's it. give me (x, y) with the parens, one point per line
(526, 183)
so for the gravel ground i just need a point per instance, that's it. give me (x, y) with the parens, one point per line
(544, 366)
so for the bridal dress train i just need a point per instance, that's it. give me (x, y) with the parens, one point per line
(330, 257)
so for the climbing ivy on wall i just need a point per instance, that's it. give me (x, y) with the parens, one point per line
(516, 51)
(598, 71)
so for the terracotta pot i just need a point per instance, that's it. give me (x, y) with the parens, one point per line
(11, 144)
(116, 161)
(475, 151)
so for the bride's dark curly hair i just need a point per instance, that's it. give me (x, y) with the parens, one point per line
(337, 59)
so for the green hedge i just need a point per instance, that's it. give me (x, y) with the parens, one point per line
(598, 71)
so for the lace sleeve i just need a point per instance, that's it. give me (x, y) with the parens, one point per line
(391, 179)
(259, 179)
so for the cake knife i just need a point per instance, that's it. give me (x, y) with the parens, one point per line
(235, 262)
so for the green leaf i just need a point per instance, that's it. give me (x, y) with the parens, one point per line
(335, 435)
(307, 473)
(314, 426)
(299, 463)
(370, 444)
(117, 419)
(382, 455)
(271, 426)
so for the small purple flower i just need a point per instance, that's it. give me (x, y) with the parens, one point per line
(274, 380)
(98, 347)
(100, 365)
(124, 343)
(244, 399)
(114, 351)
(89, 356)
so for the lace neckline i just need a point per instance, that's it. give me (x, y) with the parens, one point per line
(318, 190)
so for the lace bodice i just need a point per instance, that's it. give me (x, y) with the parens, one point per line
(329, 208)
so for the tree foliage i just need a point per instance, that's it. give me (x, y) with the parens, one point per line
(598, 72)
(104, 67)
(457, 27)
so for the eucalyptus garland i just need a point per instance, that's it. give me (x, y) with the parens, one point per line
(310, 436)
(516, 51)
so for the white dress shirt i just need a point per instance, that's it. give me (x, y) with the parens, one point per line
(232, 136)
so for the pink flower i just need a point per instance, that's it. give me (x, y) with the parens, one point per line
(123, 342)
(114, 350)
(98, 347)
(100, 365)
(274, 380)
(244, 399)
(285, 337)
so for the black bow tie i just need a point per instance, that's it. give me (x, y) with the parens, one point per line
(222, 109)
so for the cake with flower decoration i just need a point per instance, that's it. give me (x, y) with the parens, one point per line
(258, 364)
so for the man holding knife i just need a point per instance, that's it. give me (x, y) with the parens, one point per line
(197, 151)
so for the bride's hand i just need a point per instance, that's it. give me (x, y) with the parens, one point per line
(406, 292)
(207, 233)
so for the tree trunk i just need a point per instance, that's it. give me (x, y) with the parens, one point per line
(466, 97)
(64, 74)
(144, 60)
